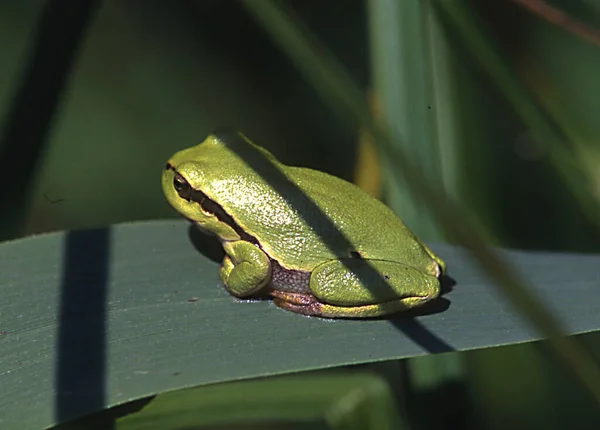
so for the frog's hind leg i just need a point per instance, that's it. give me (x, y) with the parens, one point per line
(307, 304)
(356, 288)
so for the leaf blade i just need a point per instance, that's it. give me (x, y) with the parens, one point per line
(169, 323)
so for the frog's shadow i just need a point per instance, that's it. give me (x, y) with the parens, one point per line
(447, 284)
(209, 246)
(206, 244)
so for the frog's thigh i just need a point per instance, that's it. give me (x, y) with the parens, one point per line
(245, 269)
(357, 282)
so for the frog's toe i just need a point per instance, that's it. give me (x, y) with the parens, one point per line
(293, 298)
(311, 309)
(226, 268)
(440, 269)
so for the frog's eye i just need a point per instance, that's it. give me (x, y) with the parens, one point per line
(181, 186)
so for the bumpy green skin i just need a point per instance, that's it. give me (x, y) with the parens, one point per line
(363, 260)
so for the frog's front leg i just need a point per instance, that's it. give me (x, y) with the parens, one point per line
(356, 288)
(245, 269)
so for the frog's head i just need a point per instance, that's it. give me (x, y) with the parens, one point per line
(184, 177)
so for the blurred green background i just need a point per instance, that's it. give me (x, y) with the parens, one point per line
(152, 77)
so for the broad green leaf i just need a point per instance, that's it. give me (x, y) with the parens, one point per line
(95, 318)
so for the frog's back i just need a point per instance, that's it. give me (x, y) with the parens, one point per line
(313, 216)
(365, 226)
(302, 217)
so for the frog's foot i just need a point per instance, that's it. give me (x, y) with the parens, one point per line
(293, 298)
(245, 269)
(442, 267)
(307, 304)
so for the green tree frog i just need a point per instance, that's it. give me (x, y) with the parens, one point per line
(319, 245)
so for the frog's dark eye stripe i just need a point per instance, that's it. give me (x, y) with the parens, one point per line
(208, 205)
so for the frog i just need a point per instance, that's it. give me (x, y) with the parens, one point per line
(314, 243)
